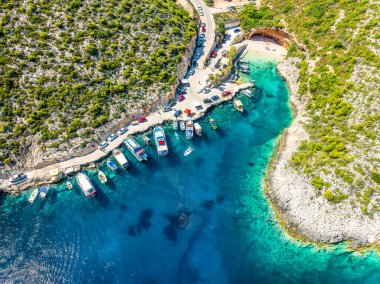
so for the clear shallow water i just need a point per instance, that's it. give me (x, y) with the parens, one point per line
(196, 219)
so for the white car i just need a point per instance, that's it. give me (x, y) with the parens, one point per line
(122, 131)
(191, 72)
(201, 35)
(201, 13)
(103, 145)
(199, 8)
(203, 24)
(206, 90)
(197, 56)
(112, 137)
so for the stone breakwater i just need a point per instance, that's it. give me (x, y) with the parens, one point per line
(303, 210)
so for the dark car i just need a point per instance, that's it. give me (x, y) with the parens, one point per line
(236, 30)
(207, 101)
(177, 113)
(171, 103)
(167, 108)
(215, 98)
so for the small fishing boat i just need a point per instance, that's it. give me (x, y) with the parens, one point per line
(160, 140)
(69, 185)
(147, 140)
(182, 125)
(238, 105)
(136, 149)
(43, 191)
(198, 129)
(213, 123)
(112, 165)
(247, 92)
(175, 124)
(245, 71)
(189, 129)
(188, 151)
(102, 177)
(243, 61)
(33, 196)
(85, 185)
(120, 158)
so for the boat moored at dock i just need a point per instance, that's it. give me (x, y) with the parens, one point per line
(238, 105)
(69, 185)
(198, 129)
(147, 140)
(247, 92)
(160, 141)
(33, 196)
(111, 165)
(102, 177)
(175, 124)
(136, 149)
(189, 129)
(182, 125)
(214, 126)
(43, 191)
(85, 185)
(120, 158)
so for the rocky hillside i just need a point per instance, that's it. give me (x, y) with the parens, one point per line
(68, 67)
(339, 79)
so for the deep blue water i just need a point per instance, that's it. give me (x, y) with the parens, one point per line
(196, 219)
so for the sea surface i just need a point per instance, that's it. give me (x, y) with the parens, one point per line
(202, 218)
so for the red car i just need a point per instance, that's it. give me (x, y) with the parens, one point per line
(226, 93)
(214, 54)
(142, 119)
(203, 29)
(181, 98)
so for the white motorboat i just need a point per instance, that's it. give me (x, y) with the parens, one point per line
(85, 185)
(189, 129)
(136, 149)
(188, 151)
(160, 141)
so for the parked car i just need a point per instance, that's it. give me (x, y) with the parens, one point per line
(226, 93)
(231, 8)
(203, 24)
(167, 108)
(181, 98)
(236, 30)
(103, 144)
(203, 29)
(201, 13)
(207, 101)
(201, 35)
(142, 119)
(215, 98)
(224, 53)
(191, 72)
(122, 131)
(177, 113)
(217, 64)
(214, 54)
(112, 137)
(171, 103)
(206, 90)
(197, 56)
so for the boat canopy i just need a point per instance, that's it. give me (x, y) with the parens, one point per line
(161, 142)
(84, 182)
(43, 189)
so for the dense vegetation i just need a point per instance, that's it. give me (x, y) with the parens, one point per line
(67, 67)
(340, 79)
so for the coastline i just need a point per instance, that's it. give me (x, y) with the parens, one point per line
(301, 211)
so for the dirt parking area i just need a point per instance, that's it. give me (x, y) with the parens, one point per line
(225, 4)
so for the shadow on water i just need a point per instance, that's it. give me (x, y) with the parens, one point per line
(102, 198)
(143, 223)
(181, 220)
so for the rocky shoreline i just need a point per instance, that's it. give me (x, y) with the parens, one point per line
(305, 213)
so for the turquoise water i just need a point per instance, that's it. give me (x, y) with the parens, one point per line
(196, 219)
